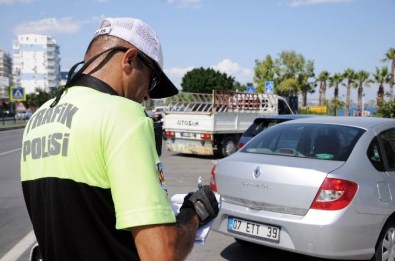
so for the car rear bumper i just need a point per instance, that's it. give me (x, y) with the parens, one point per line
(326, 234)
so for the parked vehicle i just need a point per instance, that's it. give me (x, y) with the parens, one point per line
(208, 124)
(319, 186)
(23, 115)
(159, 111)
(263, 122)
(6, 113)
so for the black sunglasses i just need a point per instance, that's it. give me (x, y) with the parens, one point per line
(156, 79)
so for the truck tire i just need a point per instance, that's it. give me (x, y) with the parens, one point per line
(228, 146)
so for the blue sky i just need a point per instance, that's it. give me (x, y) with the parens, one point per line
(222, 34)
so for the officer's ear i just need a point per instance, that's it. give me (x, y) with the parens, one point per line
(129, 60)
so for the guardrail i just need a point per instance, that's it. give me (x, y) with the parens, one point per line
(5, 121)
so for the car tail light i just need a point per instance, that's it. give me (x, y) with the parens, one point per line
(213, 183)
(240, 145)
(334, 194)
(205, 136)
(170, 134)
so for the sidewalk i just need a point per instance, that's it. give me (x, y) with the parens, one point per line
(10, 123)
(11, 127)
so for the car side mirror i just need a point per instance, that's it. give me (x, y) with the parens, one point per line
(35, 254)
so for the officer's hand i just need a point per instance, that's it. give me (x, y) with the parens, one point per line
(204, 203)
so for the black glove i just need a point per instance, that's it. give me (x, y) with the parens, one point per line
(204, 203)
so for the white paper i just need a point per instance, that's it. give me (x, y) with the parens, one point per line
(201, 232)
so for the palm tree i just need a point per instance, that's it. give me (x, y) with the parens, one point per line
(305, 88)
(381, 76)
(322, 78)
(305, 84)
(361, 79)
(390, 56)
(335, 80)
(349, 75)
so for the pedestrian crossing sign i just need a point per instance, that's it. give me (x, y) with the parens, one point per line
(17, 94)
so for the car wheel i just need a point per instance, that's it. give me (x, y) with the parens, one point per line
(229, 146)
(385, 249)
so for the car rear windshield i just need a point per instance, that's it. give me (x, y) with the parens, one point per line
(260, 125)
(320, 141)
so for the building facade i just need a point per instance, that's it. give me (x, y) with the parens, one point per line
(5, 74)
(36, 62)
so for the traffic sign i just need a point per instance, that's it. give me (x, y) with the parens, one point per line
(269, 87)
(250, 89)
(17, 94)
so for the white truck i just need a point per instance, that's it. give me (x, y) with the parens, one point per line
(211, 124)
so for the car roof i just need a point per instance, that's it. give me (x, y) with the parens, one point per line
(361, 122)
(285, 116)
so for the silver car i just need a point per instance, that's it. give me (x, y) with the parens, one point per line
(320, 186)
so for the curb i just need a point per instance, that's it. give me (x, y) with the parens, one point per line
(12, 128)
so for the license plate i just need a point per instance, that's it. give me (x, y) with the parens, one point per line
(187, 134)
(253, 229)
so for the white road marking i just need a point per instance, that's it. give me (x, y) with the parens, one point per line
(18, 250)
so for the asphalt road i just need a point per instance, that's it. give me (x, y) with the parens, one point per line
(14, 220)
(181, 174)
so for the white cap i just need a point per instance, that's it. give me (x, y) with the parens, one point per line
(144, 38)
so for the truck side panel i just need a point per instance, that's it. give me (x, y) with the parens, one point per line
(230, 122)
(233, 122)
(198, 133)
(188, 121)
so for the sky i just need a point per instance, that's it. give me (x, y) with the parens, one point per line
(226, 35)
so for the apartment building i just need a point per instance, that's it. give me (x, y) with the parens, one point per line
(5, 74)
(36, 62)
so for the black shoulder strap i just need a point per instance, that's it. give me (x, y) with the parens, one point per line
(94, 83)
(74, 76)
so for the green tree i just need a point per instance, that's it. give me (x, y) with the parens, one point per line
(290, 65)
(386, 109)
(288, 86)
(205, 80)
(323, 78)
(349, 76)
(390, 56)
(39, 97)
(381, 76)
(334, 81)
(305, 85)
(290, 73)
(264, 71)
(361, 79)
(53, 91)
(334, 105)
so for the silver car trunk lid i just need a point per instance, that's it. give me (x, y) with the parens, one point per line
(274, 183)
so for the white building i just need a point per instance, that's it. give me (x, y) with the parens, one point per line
(5, 74)
(36, 62)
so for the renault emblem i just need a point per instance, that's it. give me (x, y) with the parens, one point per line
(257, 172)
